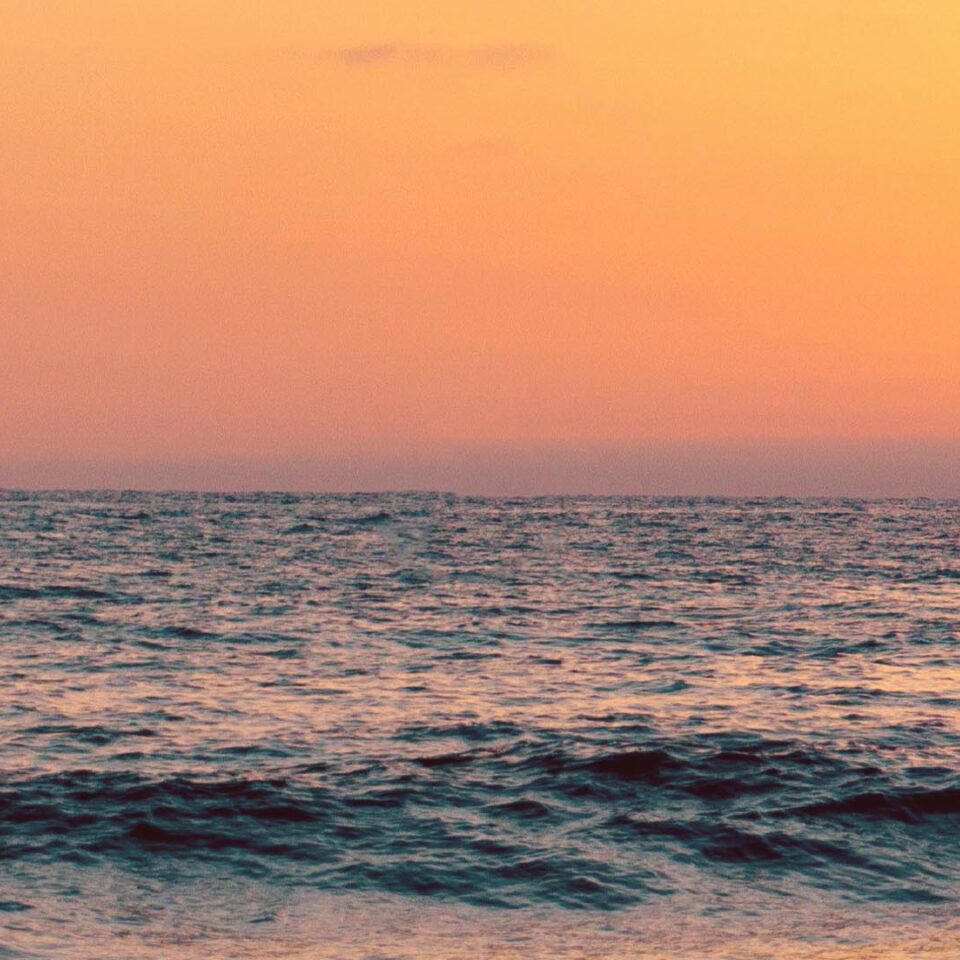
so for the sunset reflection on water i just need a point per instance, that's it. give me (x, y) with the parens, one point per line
(587, 722)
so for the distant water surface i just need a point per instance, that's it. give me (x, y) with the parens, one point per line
(427, 726)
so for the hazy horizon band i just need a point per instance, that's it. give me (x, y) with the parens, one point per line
(804, 468)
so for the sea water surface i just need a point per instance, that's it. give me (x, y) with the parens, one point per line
(422, 725)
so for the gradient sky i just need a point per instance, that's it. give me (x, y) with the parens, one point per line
(304, 229)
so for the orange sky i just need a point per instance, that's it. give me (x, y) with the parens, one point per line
(238, 228)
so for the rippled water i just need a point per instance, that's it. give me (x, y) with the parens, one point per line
(275, 725)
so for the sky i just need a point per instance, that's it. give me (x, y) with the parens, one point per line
(605, 245)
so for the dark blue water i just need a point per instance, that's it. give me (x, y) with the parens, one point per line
(549, 708)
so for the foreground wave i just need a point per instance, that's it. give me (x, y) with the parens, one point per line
(519, 822)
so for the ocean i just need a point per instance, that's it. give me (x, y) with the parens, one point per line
(428, 726)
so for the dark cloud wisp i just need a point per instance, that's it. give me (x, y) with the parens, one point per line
(494, 56)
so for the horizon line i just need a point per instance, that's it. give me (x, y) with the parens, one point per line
(439, 492)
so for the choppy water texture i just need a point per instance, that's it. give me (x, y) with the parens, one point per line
(274, 725)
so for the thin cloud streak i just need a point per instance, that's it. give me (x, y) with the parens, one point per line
(496, 56)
